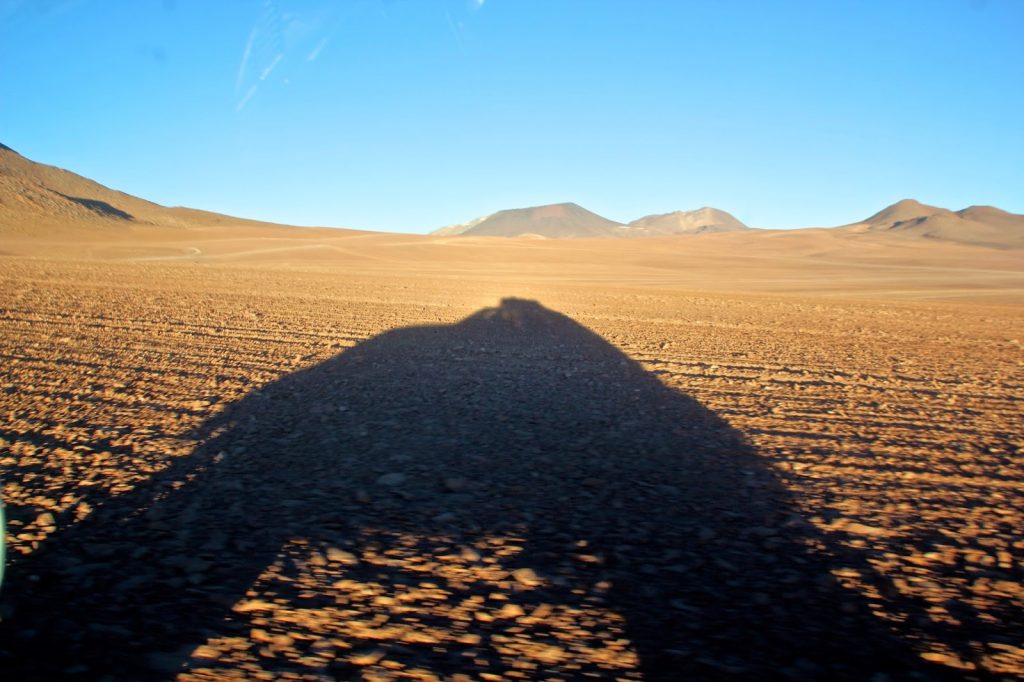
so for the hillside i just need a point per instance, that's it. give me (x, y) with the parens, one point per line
(568, 220)
(976, 225)
(34, 195)
(703, 220)
(552, 221)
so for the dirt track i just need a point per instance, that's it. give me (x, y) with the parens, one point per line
(275, 473)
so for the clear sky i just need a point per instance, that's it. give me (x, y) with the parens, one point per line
(408, 115)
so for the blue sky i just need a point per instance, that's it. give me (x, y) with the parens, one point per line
(408, 115)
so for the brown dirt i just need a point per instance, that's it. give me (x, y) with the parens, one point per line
(347, 456)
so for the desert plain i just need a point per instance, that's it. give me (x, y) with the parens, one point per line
(236, 450)
(257, 452)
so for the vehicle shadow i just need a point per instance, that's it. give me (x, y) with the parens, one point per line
(508, 494)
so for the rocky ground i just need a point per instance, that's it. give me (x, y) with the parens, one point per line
(216, 472)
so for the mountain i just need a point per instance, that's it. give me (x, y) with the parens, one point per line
(977, 225)
(553, 221)
(461, 228)
(38, 199)
(34, 195)
(703, 220)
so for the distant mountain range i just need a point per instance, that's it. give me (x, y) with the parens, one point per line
(978, 225)
(35, 197)
(568, 220)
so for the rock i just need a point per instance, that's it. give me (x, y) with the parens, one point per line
(455, 485)
(340, 556)
(204, 651)
(252, 605)
(365, 658)
(391, 480)
(947, 659)
(260, 635)
(510, 611)
(46, 519)
(526, 577)
(862, 529)
(283, 641)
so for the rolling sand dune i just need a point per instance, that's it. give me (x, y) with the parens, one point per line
(239, 450)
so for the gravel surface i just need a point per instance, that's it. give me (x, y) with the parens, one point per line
(215, 472)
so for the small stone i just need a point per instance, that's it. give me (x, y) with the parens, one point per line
(340, 556)
(46, 519)
(948, 660)
(862, 529)
(251, 605)
(526, 576)
(206, 651)
(510, 611)
(391, 480)
(366, 658)
(260, 635)
(283, 641)
(455, 485)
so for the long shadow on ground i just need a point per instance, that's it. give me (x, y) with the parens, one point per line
(602, 505)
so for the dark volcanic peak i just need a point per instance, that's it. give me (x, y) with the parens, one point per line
(550, 221)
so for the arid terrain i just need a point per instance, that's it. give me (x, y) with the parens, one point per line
(236, 450)
(274, 454)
